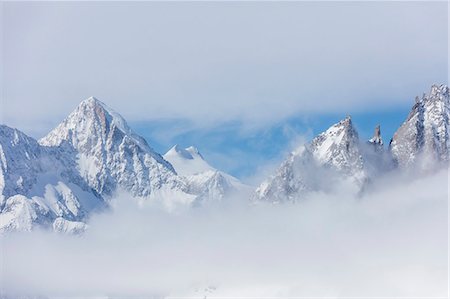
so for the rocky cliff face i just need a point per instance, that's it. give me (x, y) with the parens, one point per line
(421, 143)
(39, 185)
(109, 155)
(423, 139)
(331, 156)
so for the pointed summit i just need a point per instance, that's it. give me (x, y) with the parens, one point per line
(108, 153)
(335, 152)
(93, 103)
(90, 119)
(92, 99)
(335, 143)
(176, 150)
(376, 139)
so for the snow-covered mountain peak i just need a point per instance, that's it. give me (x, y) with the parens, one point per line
(189, 153)
(39, 184)
(333, 154)
(339, 138)
(94, 107)
(90, 119)
(92, 125)
(202, 179)
(92, 101)
(423, 139)
(194, 152)
(108, 153)
(187, 161)
(439, 92)
(177, 150)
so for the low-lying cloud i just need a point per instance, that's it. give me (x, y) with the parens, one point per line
(390, 242)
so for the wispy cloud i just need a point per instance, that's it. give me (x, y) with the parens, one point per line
(257, 62)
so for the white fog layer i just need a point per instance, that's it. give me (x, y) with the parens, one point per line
(390, 242)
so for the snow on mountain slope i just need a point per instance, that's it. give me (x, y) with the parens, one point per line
(18, 166)
(423, 139)
(187, 161)
(331, 156)
(78, 166)
(38, 185)
(338, 148)
(109, 155)
(202, 179)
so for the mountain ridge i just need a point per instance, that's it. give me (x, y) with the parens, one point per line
(59, 180)
(420, 143)
(79, 165)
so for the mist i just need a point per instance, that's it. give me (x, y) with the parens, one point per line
(391, 241)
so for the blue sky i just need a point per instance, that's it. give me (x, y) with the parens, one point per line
(243, 81)
(244, 152)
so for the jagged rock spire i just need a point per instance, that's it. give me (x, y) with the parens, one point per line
(376, 139)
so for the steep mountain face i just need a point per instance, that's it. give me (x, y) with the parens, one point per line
(39, 185)
(338, 148)
(208, 183)
(423, 139)
(331, 156)
(297, 175)
(109, 155)
(60, 180)
(18, 166)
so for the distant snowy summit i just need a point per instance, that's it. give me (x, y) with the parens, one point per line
(337, 156)
(202, 179)
(61, 179)
(187, 161)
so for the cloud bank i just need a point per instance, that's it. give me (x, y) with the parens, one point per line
(390, 242)
(209, 63)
